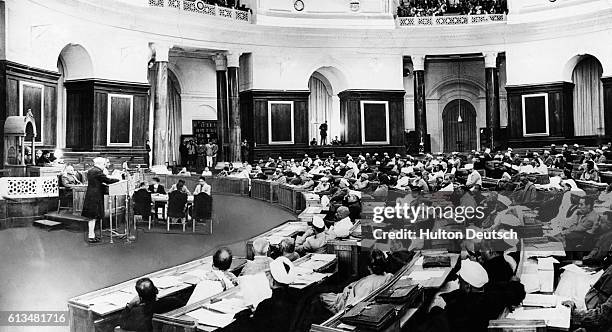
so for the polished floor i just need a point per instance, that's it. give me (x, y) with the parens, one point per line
(41, 270)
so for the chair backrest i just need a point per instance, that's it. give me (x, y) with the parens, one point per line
(176, 203)
(202, 205)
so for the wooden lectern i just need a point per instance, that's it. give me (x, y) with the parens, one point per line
(112, 190)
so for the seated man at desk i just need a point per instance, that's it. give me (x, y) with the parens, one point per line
(598, 313)
(583, 224)
(314, 239)
(342, 224)
(202, 187)
(156, 187)
(287, 249)
(138, 313)
(323, 185)
(525, 192)
(275, 314)
(182, 187)
(69, 177)
(217, 280)
(336, 302)
(362, 183)
(261, 261)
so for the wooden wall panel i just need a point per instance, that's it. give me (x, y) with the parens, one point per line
(254, 108)
(350, 113)
(12, 98)
(140, 131)
(99, 120)
(50, 116)
(560, 108)
(396, 121)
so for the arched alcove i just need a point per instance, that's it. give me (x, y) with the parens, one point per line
(587, 96)
(324, 105)
(459, 126)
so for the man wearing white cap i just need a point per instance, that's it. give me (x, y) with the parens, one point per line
(474, 177)
(274, 314)
(93, 205)
(315, 238)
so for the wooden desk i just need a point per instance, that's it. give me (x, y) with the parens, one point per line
(92, 312)
(179, 321)
(404, 313)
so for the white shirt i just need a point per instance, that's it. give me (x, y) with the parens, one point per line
(341, 228)
(474, 178)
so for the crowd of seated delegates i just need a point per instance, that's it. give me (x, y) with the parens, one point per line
(418, 8)
(484, 284)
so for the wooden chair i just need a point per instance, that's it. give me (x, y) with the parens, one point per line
(142, 209)
(177, 209)
(202, 210)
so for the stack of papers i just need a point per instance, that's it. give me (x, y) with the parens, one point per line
(110, 302)
(540, 300)
(323, 257)
(546, 263)
(424, 275)
(558, 317)
(166, 281)
(228, 306)
(211, 318)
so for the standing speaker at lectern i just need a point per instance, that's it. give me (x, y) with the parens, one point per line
(93, 205)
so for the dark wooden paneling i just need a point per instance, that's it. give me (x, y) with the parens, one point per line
(88, 104)
(12, 98)
(560, 108)
(607, 100)
(79, 114)
(254, 114)
(50, 115)
(13, 73)
(350, 113)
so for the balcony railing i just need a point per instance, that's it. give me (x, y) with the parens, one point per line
(201, 7)
(450, 20)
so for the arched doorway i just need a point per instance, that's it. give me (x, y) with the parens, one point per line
(320, 104)
(324, 103)
(588, 97)
(73, 63)
(459, 121)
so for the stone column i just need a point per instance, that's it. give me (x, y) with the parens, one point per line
(160, 110)
(222, 115)
(234, 107)
(492, 99)
(420, 114)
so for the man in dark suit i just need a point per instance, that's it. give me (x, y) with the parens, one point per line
(138, 314)
(93, 205)
(156, 188)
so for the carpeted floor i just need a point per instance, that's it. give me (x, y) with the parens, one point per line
(41, 270)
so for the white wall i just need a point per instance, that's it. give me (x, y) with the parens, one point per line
(197, 78)
(541, 42)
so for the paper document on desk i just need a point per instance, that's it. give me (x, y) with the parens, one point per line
(425, 275)
(207, 317)
(105, 308)
(558, 317)
(166, 281)
(531, 282)
(547, 281)
(323, 257)
(546, 263)
(118, 298)
(228, 306)
(313, 264)
(540, 300)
